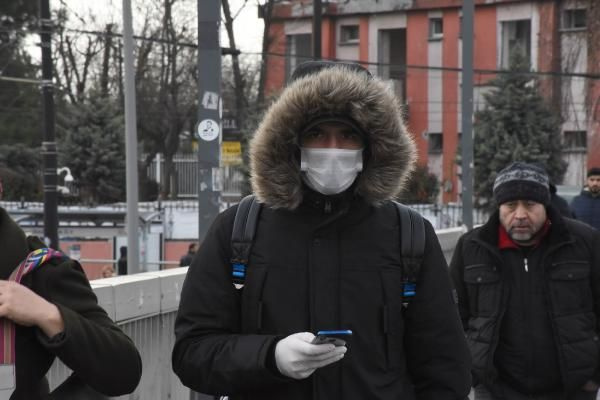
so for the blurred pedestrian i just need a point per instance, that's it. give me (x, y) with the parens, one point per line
(187, 258)
(122, 261)
(108, 271)
(586, 205)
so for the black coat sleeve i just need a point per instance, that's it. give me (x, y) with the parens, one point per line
(437, 353)
(595, 267)
(457, 268)
(91, 345)
(211, 355)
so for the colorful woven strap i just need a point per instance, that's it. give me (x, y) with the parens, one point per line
(34, 260)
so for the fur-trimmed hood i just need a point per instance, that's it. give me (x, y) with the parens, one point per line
(274, 148)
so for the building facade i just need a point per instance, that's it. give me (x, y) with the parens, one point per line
(417, 44)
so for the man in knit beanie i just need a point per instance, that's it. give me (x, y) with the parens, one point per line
(528, 287)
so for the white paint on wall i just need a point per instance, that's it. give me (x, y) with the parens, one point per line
(379, 22)
(514, 12)
(434, 87)
(298, 27)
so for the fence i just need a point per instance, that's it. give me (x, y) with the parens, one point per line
(229, 179)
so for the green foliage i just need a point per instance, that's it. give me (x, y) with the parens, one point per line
(515, 125)
(20, 109)
(20, 172)
(94, 149)
(423, 187)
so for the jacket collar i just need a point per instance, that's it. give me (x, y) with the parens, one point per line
(13, 244)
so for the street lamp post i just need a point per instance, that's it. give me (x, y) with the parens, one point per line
(208, 130)
(48, 143)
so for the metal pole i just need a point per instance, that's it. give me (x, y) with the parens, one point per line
(208, 130)
(133, 249)
(49, 143)
(468, 11)
(317, 27)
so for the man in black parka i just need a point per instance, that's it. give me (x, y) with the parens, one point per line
(57, 315)
(327, 159)
(528, 284)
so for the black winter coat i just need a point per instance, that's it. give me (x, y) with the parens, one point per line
(92, 346)
(570, 271)
(310, 270)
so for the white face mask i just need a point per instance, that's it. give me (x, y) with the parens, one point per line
(330, 171)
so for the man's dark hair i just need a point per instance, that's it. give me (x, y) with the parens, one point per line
(593, 171)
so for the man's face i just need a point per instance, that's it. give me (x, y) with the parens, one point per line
(522, 219)
(593, 183)
(333, 136)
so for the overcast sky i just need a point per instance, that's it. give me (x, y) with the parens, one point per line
(248, 27)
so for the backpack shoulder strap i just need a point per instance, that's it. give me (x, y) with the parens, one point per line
(242, 236)
(412, 249)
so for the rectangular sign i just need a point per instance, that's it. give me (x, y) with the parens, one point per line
(231, 153)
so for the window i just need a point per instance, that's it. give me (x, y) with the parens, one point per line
(516, 36)
(575, 140)
(436, 28)
(574, 19)
(299, 48)
(349, 34)
(436, 142)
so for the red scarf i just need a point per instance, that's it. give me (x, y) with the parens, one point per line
(506, 242)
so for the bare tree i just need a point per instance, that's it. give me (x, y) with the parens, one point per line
(267, 14)
(166, 96)
(241, 102)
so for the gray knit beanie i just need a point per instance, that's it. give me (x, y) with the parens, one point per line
(522, 181)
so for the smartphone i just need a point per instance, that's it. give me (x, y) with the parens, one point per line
(337, 337)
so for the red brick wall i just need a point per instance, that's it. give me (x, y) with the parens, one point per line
(91, 249)
(328, 38)
(275, 78)
(417, 32)
(450, 100)
(484, 43)
(363, 35)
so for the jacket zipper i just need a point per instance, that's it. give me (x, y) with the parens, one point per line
(327, 206)
(525, 264)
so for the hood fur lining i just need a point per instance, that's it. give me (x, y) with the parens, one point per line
(274, 148)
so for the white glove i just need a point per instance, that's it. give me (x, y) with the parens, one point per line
(298, 358)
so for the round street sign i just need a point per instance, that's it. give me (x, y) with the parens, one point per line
(208, 130)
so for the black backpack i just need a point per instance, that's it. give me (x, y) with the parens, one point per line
(412, 243)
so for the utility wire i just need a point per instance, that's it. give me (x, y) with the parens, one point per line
(403, 67)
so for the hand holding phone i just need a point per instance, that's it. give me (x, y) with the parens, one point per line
(335, 337)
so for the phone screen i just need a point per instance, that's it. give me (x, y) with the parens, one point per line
(335, 337)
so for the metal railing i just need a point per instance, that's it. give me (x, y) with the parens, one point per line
(145, 306)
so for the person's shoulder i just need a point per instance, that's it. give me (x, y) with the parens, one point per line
(580, 228)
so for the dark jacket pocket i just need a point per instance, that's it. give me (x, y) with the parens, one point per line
(483, 286)
(570, 287)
